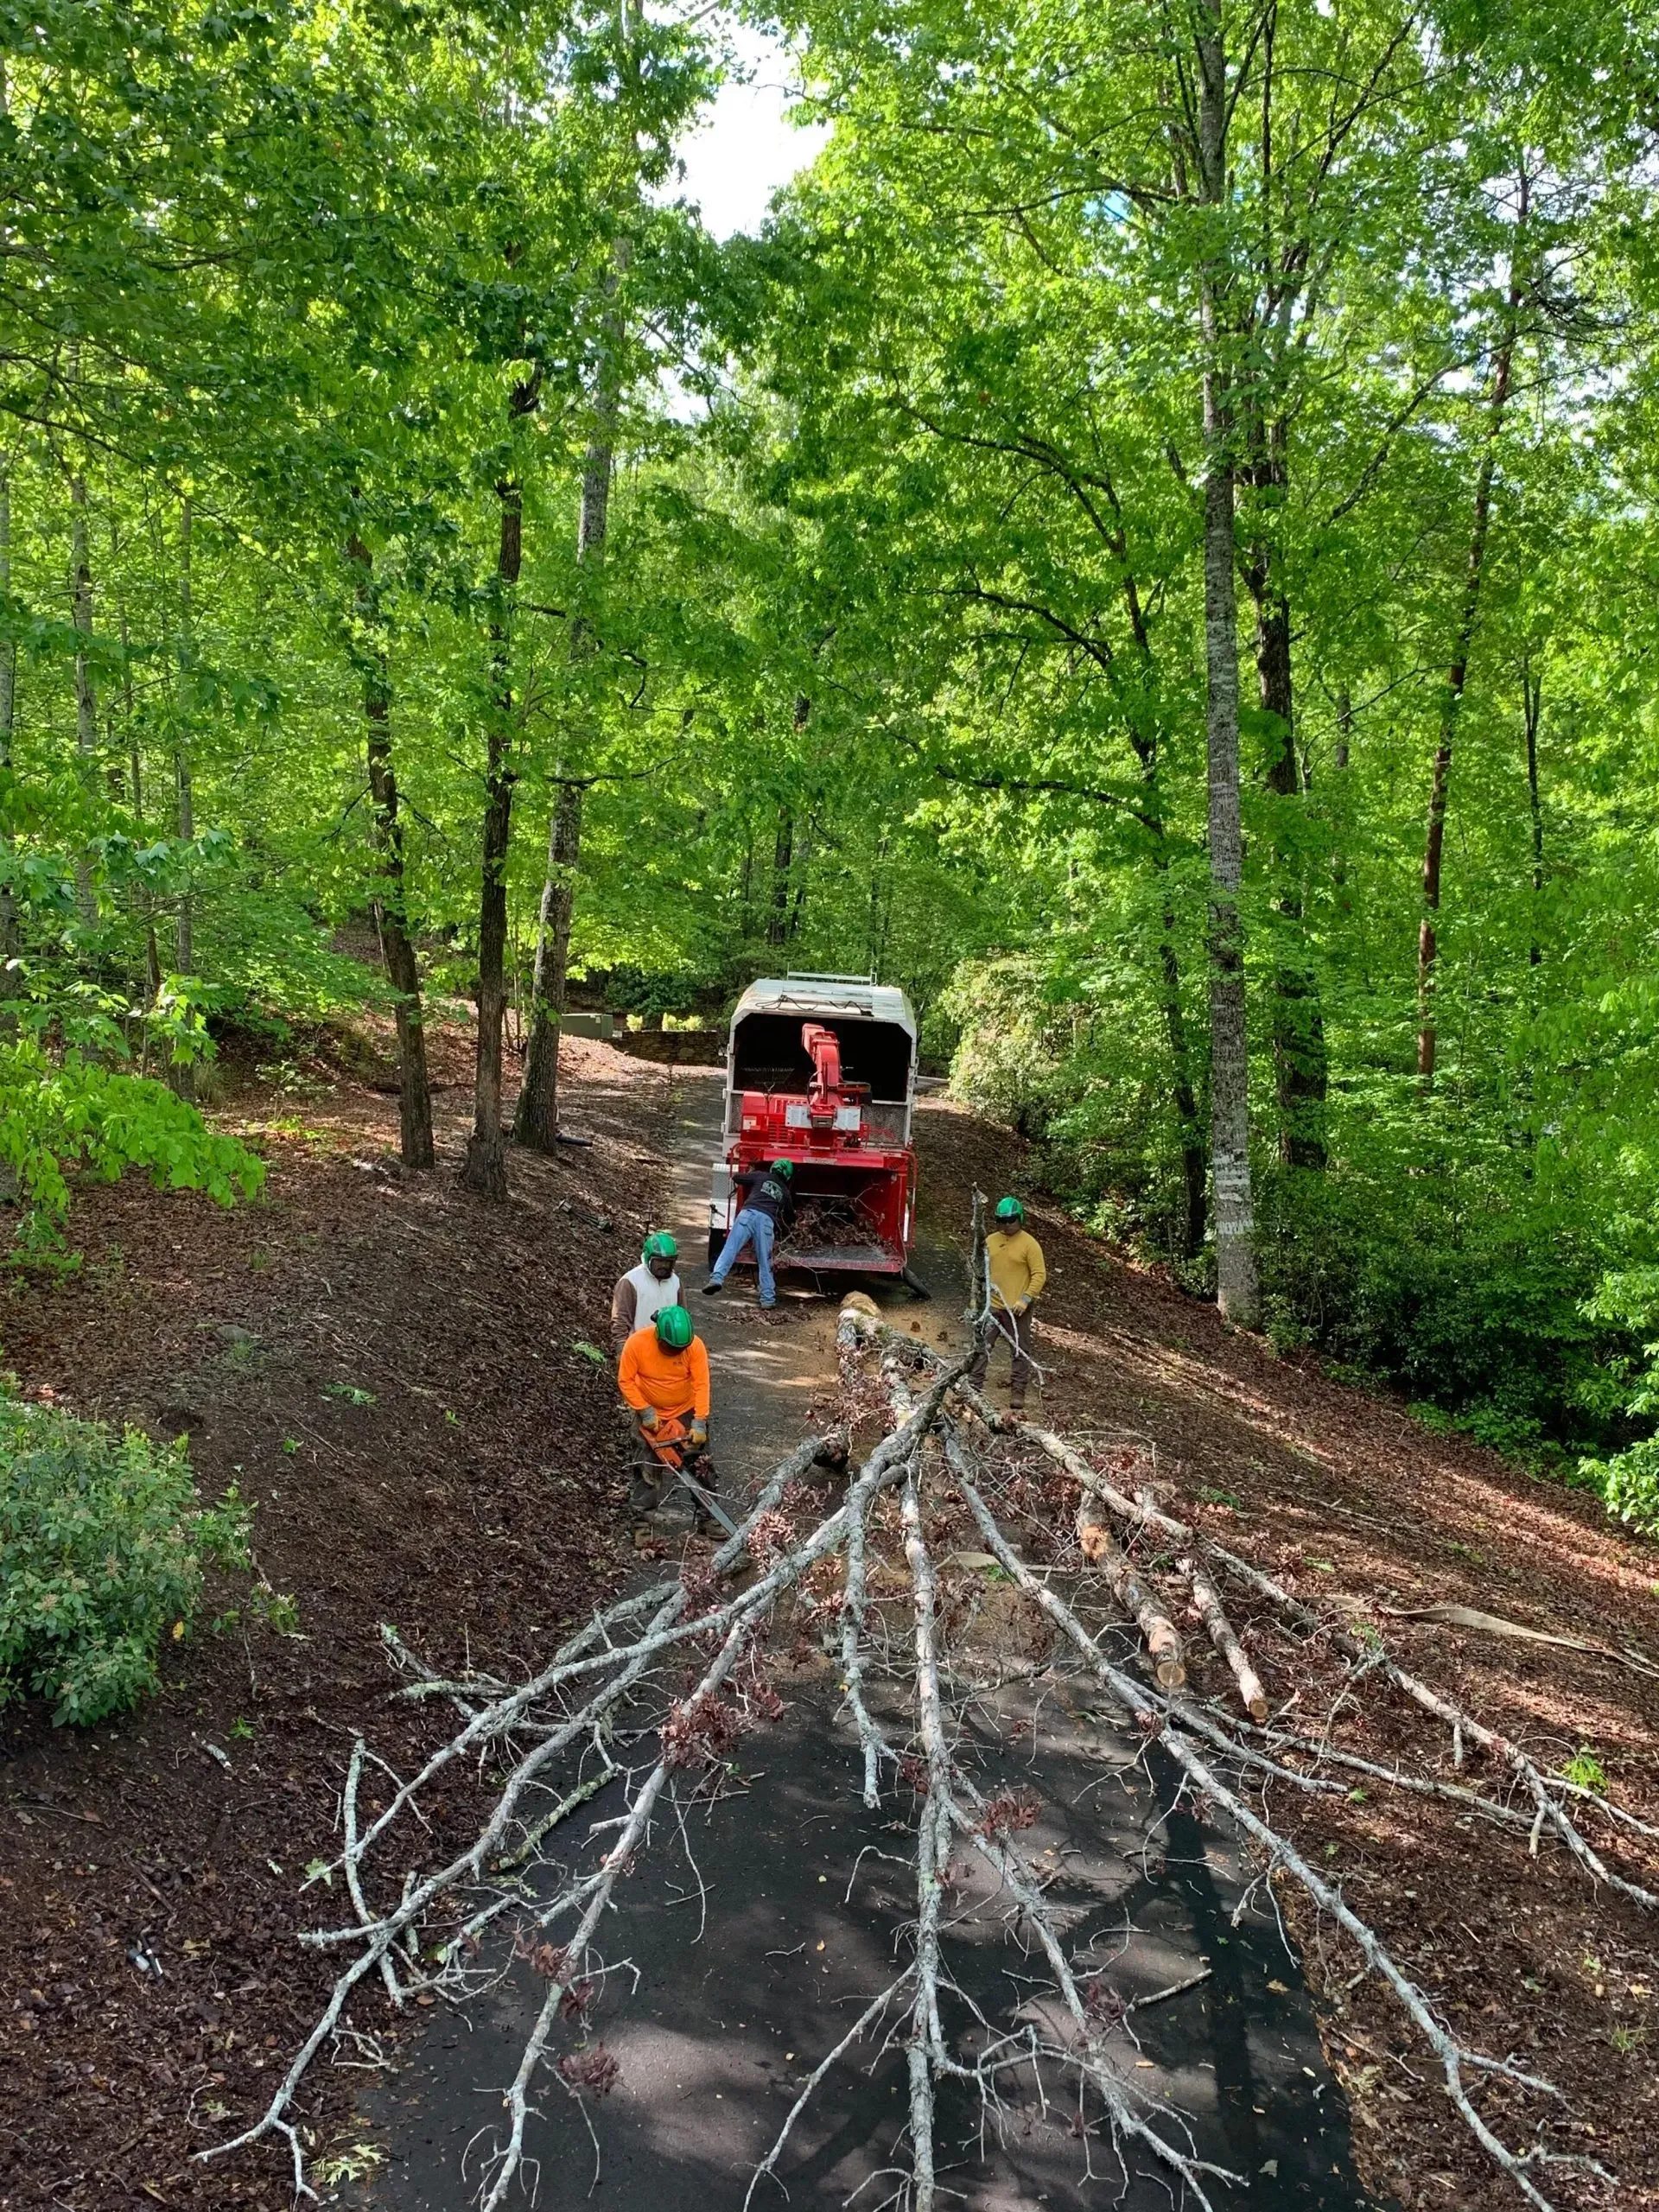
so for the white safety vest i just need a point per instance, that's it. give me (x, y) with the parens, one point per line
(649, 1296)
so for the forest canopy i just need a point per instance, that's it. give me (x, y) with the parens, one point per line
(1151, 549)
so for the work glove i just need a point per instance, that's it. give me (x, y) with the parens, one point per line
(646, 1418)
(696, 1437)
(1024, 1306)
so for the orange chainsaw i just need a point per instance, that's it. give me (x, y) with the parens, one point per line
(667, 1444)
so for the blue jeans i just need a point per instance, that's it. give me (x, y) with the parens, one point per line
(759, 1230)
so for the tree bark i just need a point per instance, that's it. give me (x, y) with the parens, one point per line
(485, 1169)
(1300, 1065)
(536, 1123)
(80, 602)
(1143, 738)
(182, 1076)
(1457, 673)
(1344, 747)
(1236, 1288)
(391, 899)
(783, 850)
(11, 935)
(143, 907)
(1532, 694)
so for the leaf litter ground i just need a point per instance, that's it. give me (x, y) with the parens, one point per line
(392, 1372)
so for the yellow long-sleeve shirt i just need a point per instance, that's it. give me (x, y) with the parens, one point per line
(1017, 1270)
(673, 1381)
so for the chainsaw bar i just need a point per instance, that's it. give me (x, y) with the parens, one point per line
(709, 1501)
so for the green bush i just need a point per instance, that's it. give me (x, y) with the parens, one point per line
(57, 1114)
(102, 1552)
(1629, 1480)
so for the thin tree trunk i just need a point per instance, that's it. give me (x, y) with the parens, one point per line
(1236, 1288)
(783, 850)
(1458, 672)
(1300, 1075)
(143, 908)
(80, 599)
(535, 1124)
(485, 1169)
(798, 907)
(1182, 1095)
(391, 900)
(182, 1076)
(1344, 749)
(1532, 692)
(11, 936)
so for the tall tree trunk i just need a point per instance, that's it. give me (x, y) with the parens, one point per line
(485, 1169)
(1532, 695)
(11, 935)
(782, 849)
(182, 1077)
(1344, 751)
(797, 906)
(1457, 673)
(391, 899)
(1143, 737)
(535, 1124)
(1300, 1074)
(1182, 1095)
(1236, 1288)
(80, 602)
(143, 907)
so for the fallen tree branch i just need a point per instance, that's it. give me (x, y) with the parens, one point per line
(1454, 2057)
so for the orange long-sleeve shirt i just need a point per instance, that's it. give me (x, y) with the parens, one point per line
(672, 1381)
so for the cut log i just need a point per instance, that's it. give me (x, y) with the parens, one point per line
(1162, 1638)
(1224, 1636)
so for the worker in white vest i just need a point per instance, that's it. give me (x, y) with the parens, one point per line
(641, 1294)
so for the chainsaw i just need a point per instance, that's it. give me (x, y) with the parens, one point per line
(666, 1444)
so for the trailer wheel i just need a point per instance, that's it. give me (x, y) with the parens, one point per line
(716, 1244)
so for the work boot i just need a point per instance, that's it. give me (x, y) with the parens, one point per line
(712, 1289)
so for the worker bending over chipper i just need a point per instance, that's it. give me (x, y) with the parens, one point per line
(767, 1208)
(1014, 1259)
(663, 1377)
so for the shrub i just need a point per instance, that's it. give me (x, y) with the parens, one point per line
(57, 1114)
(102, 1553)
(1629, 1481)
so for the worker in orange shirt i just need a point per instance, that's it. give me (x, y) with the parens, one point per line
(663, 1377)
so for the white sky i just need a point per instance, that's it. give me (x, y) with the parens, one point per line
(747, 147)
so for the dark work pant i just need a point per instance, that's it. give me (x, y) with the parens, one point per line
(1018, 1327)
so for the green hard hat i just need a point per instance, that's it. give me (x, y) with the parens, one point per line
(659, 1245)
(673, 1327)
(1010, 1209)
(784, 1167)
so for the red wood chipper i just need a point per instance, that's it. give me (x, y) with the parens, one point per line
(821, 1072)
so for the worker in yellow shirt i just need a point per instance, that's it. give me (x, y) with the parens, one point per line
(663, 1377)
(1018, 1275)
